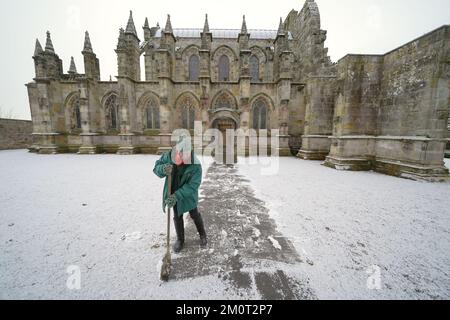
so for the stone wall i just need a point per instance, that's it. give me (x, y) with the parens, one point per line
(356, 111)
(415, 106)
(392, 110)
(320, 95)
(309, 40)
(15, 134)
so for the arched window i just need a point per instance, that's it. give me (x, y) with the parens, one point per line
(152, 115)
(112, 112)
(188, 114)
(194, 67)
(254, 68)
(260, 111)
(224, 68)
(224, 101)
(188, 118)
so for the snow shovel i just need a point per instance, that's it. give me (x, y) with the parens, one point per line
(167, 260)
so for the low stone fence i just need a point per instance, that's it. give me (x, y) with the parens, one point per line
(15, 134)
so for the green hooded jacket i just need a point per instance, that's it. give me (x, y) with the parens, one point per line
(187, 194)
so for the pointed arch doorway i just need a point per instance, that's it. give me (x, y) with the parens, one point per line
(228, 153)
(224, 116)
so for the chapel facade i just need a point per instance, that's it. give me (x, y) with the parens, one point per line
(384, 112)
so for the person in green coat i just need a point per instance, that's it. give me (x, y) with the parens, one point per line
(186, 172)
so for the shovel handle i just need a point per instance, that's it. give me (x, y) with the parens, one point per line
(169, 184)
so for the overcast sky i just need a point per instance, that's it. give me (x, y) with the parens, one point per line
(354, 26)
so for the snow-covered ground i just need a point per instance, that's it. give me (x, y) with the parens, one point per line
(361, 231)
(101, 215)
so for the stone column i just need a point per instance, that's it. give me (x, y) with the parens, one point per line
(49, 142)
(125, 100)
(283, 135)
(87, 136)
(205, 82)
(318, 118)
(165, 132)
(165, 108)
(355, 116)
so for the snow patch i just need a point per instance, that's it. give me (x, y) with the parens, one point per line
(135, 236)
(403, 224)
(53, 233)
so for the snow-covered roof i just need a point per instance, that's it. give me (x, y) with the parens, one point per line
(223, 33)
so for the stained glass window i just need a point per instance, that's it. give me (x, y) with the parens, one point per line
(260, 115)
(188, 114)
(194, 68)
(224, 68)
(152, 115)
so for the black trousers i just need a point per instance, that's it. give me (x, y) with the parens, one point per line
(193, 213)
(179, 223)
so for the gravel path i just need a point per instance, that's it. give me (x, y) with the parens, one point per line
(245, 249)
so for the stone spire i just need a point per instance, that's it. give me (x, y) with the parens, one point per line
(91, 63)
(73, 67)
(206, 35)
(244, 26)
(87, 43)
(130, 26)
(206, 26)
(49, 44)
(168, 28)
(122, 42)
(147, 30)
(243, 37)
(38, 48)
(281, 28)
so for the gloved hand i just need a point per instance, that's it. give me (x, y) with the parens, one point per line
(171, 201)
(168, 169)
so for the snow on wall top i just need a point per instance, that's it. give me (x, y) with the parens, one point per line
(259, 34)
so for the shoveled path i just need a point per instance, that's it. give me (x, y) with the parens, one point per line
(245, 249)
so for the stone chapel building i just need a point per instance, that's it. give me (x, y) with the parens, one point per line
(384, 112)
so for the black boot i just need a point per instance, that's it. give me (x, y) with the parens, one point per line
(179, 228)
(198, 221)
